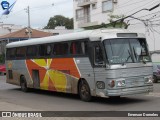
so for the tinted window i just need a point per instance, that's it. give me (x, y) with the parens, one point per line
(45, 50)
(98, 55)
(20, 52)
(11, 53)
(79, 48)
(60, 49)
(42, 50)
(48, 50)
(31, 51)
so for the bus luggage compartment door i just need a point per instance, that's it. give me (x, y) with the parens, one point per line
(36, 80)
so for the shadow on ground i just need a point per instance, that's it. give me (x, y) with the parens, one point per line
(111, 101)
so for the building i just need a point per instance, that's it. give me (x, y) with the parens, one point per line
(20, 35)
(59, 30)
(8, 28)
(92, 12)
(95, 12)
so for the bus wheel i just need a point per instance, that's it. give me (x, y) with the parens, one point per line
(84, 91)
(23, 84)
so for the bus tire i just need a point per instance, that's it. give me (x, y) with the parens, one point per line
(84, 91)
(23, 84)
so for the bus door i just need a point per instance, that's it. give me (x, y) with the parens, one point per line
(99, 66)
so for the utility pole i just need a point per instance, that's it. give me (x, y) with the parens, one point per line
(29, 23)
(28, 11)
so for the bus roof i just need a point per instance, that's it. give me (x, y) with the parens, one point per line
(93, 35)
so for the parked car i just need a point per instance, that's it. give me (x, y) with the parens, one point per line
(156, 72)
(2, 70)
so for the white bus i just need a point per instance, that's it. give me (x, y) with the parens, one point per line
(102, 62)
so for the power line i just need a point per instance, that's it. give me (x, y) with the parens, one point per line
(154, 2)
(130, 4)
(97, 13)
(146, 15)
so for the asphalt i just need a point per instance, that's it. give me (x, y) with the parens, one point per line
(11, 106)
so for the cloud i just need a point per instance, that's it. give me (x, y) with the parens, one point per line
(40, 11)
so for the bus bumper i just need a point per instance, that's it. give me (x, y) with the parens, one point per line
(129, 91)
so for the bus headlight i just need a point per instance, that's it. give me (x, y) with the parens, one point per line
(121, 83)
(111, 83)
(148, 80)
(100, 85)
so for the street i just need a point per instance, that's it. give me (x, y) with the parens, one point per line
(13, 99)
(51, 101)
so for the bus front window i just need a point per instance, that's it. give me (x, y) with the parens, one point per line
(121, 51)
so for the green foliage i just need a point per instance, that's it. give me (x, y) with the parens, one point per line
(59, 20)
(116, 17)
(112, 24)
(2, 58)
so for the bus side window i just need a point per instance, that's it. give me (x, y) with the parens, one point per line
(31, 51)
(48, 50)
(78, 48)
(60, 49)
(98, 55)
(11, 53)
(21, 52)
(42, 50)
(45, 50)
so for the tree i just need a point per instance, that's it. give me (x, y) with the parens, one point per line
(59, 20)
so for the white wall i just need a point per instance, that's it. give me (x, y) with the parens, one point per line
(127, 7)
(8, 28)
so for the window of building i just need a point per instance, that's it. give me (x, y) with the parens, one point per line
(107, 5)
(60, 49)
(79, 14)
(21, 52)
(94, 5)
(54, 34)
(79, 48)
(31, 51)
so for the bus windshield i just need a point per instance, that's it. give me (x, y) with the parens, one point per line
(126, 50)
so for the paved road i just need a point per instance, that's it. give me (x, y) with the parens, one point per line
(13, 99)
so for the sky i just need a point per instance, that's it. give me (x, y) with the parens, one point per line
(40, 12)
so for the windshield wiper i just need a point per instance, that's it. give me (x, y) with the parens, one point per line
(135, 53)
(130, 56)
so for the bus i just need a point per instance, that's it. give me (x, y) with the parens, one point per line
(101, 63)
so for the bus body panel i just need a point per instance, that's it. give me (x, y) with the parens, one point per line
(134, 80)
(87, 73)
(56, 74)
